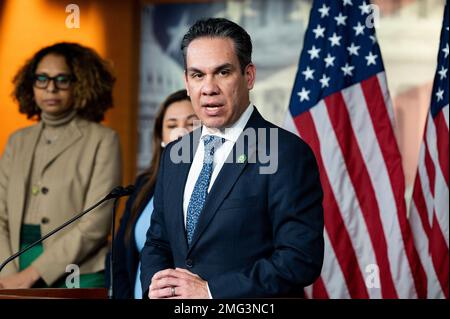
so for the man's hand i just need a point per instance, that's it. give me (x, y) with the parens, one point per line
(23, 279)
(177, 283)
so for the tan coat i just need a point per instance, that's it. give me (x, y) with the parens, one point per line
(83, 167)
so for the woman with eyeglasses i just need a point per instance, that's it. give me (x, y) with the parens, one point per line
(53, 170)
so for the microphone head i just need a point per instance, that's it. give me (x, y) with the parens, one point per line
(116, 192)
(129, 190)
(120, 191)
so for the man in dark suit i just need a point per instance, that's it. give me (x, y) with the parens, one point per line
(238, 203)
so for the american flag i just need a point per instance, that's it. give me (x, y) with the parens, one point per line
(429, 209)
(340, 106)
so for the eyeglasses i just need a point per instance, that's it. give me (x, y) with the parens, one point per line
(61, 81)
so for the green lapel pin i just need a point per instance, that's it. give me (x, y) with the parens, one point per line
(242, 158)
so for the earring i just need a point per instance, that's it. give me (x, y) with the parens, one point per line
(163, 144)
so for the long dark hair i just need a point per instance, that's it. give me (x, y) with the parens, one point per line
(92, 87)
(150, 175)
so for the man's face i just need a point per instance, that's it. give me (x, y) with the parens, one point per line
(219, 91)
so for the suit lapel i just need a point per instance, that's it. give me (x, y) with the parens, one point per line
(179, 183)
(25, 161)
(29, 146)
(70, 135)
(227, 177)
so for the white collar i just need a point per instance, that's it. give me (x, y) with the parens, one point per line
(231, 133)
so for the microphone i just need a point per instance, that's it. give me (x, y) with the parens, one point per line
(129, 189)
(116, 193)
(120, 191)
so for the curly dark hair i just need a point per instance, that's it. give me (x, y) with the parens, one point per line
(92, 86)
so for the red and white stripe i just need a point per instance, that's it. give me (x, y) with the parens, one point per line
(366, 225)
(429, 211)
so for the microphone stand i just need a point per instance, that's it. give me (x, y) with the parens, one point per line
(117, 192)
(111, 255)
(124, 192)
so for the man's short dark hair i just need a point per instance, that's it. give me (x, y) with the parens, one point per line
(222, 28)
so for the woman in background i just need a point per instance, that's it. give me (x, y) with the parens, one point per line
(174, 119)
(51, 171)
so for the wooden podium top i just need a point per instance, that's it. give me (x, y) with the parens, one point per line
(54, 293)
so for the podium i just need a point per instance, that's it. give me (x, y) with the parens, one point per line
(54, 293)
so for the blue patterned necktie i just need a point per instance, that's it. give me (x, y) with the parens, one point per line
(200, 191)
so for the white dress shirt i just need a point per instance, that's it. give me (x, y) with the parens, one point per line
(220, 155)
